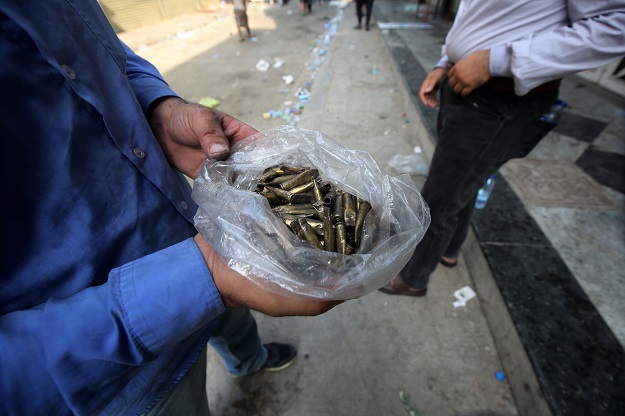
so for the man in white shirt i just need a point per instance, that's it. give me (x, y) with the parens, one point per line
(500, 71)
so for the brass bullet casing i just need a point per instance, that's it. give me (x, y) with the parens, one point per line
(337, 211)
(315, 224)
(308, 186)
(328, 230)
(328, 198)
(316, 211)
(278, 180)
(304, 209)
(349, 209)
(281, 193)
(309, 234)
(317, 192)
(301, 178)
(341, 238)
(272, 198)
(363, 209)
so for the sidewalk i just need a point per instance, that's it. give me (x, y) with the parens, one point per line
(367, 356)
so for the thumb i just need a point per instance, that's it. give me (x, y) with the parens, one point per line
(215, 146)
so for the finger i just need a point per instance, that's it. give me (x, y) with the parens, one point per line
(236, 130)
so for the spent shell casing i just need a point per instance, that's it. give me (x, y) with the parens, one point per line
(324, 186)
(299, 179)
(315, 224)
(318, 210)
(297, 230)
(269, 174)
(317, 191)
(295, 209)
(286, 196)
(341, 238)
(337, 210)
(302, 188)
(309, 233)
(328, 198)
(328, 230)
(279, 179)
(363, 209)
(272, 198)
(302, 199)
(349, 209)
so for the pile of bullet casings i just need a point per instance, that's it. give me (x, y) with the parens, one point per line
(315, 210)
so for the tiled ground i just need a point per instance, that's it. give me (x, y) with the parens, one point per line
(552, 232)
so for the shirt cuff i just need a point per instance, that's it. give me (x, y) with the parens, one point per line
(168, 295)
(499, 64)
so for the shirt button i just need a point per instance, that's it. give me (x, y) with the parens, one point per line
(184, 205)
(69, 71)
(138, 152)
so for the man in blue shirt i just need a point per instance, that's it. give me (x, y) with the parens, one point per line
(108, 295)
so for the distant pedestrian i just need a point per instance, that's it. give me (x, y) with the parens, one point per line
(306, 6)
(240, 17)
(359, 6)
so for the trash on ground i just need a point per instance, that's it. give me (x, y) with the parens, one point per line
(262, 65)
(288, 79)
(185, 35)
(209, 102)
(500, 376)
(277, 62)
(463, 295)
(412, 164)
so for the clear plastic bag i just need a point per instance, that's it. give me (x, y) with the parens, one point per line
(240, 226)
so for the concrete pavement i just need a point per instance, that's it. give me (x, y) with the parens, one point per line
(378, 355)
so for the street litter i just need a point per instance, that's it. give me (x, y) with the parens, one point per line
(404, 25)
(209, 102)
(288, 79)
(278, 63)
(185, 35)
(463, 295)
(413, 164)
(302, 94)
(262, 65)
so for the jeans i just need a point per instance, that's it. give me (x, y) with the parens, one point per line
(237, 342)
(477, 134)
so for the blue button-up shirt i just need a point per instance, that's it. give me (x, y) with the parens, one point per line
(105, 300)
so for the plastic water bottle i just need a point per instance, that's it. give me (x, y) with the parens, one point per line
(484, 193)
(374, 71)
(552, 115)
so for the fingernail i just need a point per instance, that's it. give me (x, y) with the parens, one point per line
(219, 151)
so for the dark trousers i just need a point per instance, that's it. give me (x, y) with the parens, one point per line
(477, 134)
(359, 5)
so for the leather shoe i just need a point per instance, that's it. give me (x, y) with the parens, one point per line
(448, 263)
(398, 286)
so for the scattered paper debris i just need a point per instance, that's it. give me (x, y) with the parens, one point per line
(262, 65)
(463, 295)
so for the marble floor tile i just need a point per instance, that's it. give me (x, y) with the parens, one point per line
(554, 183)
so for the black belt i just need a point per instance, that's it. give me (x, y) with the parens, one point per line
(507, 84)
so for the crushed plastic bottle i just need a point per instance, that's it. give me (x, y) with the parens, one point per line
(484, 193)
(552, 115)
